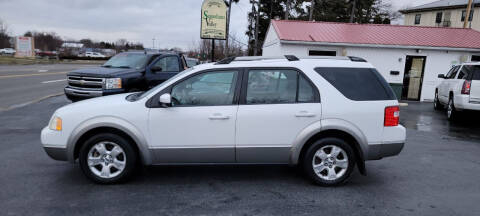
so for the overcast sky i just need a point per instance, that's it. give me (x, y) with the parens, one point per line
(173, 23)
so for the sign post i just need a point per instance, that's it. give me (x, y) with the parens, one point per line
(214, 22)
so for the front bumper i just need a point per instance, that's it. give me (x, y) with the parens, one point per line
(73, 93)
(56, 153)
(53, 144)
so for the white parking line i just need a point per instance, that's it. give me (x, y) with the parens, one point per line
(52, 81)
(42, 71)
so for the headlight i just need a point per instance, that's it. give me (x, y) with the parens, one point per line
(113, 83)
(55, 123)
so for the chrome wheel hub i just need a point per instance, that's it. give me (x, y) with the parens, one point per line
(106, 159)
(330, 162)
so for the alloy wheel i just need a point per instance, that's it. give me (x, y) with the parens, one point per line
(106, 159)
(330, 162)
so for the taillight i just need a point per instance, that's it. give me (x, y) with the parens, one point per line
(392, 116)
(466, 87)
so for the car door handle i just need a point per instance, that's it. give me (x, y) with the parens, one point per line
(218, 116)
(305, 114)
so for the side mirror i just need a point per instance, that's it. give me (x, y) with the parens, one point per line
(156, 69)
(441, 76)
(165, 100)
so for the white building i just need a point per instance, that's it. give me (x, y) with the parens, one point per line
(409, 57)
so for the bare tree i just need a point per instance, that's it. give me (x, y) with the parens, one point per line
(4, 36)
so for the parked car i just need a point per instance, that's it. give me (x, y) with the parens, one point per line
(459, 90)
(94, 55)
(192, 62)
(7, 51)
(324, 115)
(125, 72)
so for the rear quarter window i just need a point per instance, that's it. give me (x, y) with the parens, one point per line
(476, 72)
(359, 84)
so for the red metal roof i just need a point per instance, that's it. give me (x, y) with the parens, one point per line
(376, 34)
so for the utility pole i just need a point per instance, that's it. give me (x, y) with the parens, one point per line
(312, 5)
(255, 51)
(228, 27)
(287, 9)
(467, 16)
(153, 43)
(352, 15)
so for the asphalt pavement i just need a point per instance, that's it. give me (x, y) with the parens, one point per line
(24, 84)
(437, 173)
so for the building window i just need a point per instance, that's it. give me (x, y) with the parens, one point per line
(476, 58)
(464, 13)
(417, 19)
(438, 19)
(322, 53)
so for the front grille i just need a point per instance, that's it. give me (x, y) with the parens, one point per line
(85, 83)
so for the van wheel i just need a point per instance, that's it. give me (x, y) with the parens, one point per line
(329, 162)
(451, 111)
(107, 158)
(436, 103)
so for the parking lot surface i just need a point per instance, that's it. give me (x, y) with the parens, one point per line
(437, 173)
(24, 84)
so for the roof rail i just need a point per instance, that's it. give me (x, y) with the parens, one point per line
(356, 59)
(228, 60)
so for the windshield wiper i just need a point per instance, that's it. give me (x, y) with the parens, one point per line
(123, 66)
(107, 66)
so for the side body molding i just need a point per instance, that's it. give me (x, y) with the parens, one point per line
(324, 125)
(112, 122)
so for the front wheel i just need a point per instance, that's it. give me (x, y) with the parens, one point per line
(436, 103)
(329, 162)
(107, 158)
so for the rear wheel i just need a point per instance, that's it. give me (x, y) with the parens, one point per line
(436, 103)
(107, 158)
(329, 161)
(451, 111)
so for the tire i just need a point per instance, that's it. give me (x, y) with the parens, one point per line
(436, 103)
(327, 164)
(451, 111)
(112, 158)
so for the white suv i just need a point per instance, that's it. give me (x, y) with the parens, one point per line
(460, 89)
(325, 115)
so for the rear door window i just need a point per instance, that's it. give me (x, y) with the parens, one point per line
(359, 84)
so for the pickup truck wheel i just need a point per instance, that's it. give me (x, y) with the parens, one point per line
(107, 158)
(436, 103)
(451, 111)
(329, 162)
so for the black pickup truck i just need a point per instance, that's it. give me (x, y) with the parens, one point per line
(125, 72)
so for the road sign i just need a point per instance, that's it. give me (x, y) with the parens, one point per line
(214, 20)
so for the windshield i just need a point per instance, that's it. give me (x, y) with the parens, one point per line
(162, 84)
(127, 60)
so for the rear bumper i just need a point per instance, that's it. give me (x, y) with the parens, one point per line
(462, 102)
(73, 93)
(379, 151)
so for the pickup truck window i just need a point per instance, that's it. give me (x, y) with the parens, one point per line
(127, 60)
(168, 64)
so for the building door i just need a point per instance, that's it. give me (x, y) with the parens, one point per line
(413, 77)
